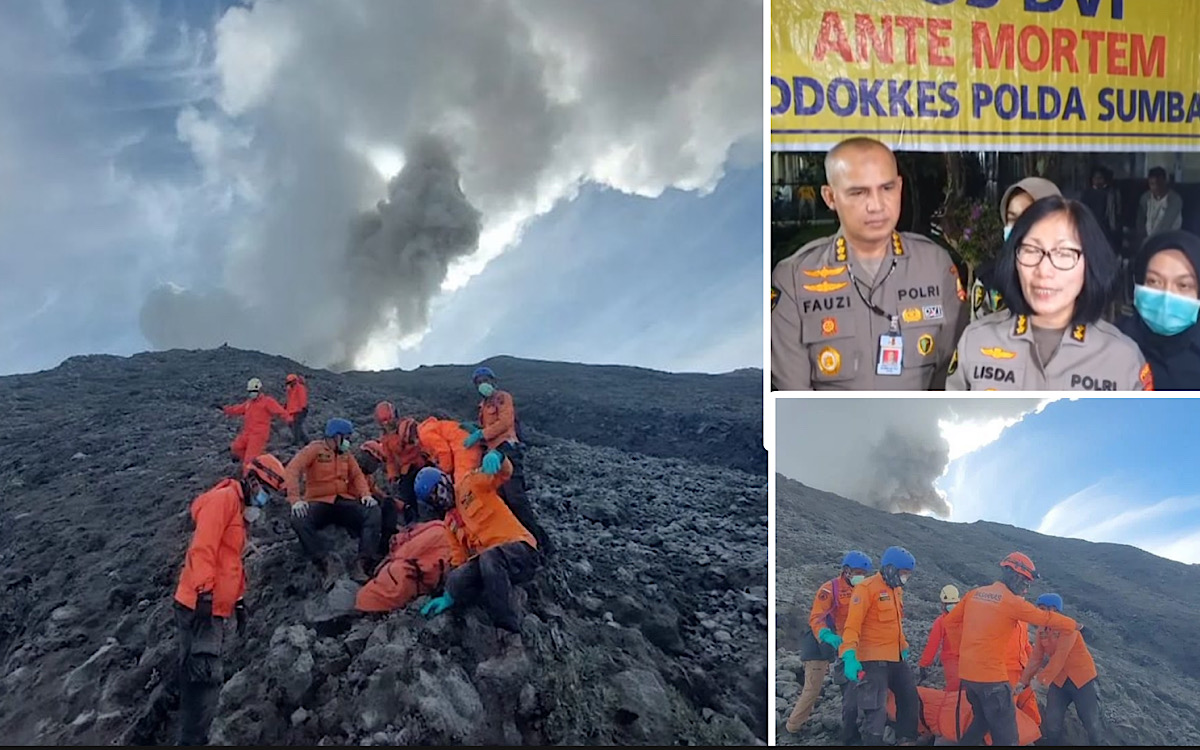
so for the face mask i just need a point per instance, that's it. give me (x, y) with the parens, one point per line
(253, 394)
(1164, 313)
(486, 389)
(261, 498)
(344, 446)
(855, 580)
(949, 607)
(904, 579)
(251, 514)
(1007, 232)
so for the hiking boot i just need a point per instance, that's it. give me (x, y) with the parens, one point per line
(358, 573)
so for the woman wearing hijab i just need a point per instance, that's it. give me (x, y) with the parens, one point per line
(1019, 196)
(1166, 305)
(1055, 272)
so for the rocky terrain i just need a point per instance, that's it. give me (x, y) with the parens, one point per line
(648, 626)
(1142, 612)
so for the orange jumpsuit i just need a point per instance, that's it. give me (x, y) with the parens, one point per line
(947, 714)
(498, 419)
(297, 397)
(419, 559)
(443, 440)
(256, 415)
(875, 623)
(939, 638)
(214, 557)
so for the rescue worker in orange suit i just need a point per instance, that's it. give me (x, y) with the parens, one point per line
(443, 440)
(987, 616)
(335, 492)
(421, 555)
(211, 587)
(819, 645)
(940, 639)
(256, 412)
(403, 456)
(874, 649)
(503, 553)
(498, 431)
(297, 407)
(1061, 661)
(371, 459)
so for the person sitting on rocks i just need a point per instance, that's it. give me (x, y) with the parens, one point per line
(211, 586)
(820, 642)
(420, 556)
(404, 455)
(332, 481)
(502, 552)
(370, 459)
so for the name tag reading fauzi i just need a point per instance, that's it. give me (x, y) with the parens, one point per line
(891, 354)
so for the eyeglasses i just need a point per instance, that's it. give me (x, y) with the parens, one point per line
(1062, 258)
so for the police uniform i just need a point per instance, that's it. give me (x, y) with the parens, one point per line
(828, 317)
(998, 353)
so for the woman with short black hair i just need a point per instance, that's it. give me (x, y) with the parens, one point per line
(1056, 272)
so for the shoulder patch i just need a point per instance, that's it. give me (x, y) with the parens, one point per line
(953, 363)
(1079, 333)
(1021, 326)
(774, 297)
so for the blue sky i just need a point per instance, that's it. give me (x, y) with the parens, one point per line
(211, 156)
(1104, 470)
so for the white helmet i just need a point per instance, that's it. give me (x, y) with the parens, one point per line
(949, 594)
(254, 385)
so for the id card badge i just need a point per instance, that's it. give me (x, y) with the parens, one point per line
(891, 354)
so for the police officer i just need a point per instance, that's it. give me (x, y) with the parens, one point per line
(868, 308)
(1055, 271)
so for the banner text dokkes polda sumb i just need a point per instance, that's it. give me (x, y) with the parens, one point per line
(1118, 71)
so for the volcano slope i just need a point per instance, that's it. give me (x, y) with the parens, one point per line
(648, 626)
(1142, 612)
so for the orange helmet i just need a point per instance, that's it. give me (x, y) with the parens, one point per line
(268, 470)
(1021, 564)
(407, 429)
(385, 413)
(375, 448)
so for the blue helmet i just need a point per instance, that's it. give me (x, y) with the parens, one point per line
(856, 560)
(899, 558)
(481, 373)
(425, 481)
(338, 426)
(1050, 600)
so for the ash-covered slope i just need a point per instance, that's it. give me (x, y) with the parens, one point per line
(648, 626)
(1142, 611)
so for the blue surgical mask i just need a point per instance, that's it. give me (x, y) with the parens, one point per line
(855, 580)
(949, 607)
(486, 389)
(344, 445)
(1164, 313)
(1007, 232)
(261, 499)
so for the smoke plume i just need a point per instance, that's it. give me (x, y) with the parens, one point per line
(901, 470)
(315, 108)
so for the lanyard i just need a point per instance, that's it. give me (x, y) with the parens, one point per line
(893, 320)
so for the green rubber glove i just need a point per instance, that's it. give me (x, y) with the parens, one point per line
(828, 636)
(851, 665)
(904, 655)
(438, 605)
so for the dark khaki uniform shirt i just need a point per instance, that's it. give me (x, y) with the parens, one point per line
(825, 333)
(998, 353)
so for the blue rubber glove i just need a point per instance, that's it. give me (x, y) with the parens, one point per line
(851, 665)
(904, 655)
(828, 636)
(473, 438)
(438, 605)
(492, 462)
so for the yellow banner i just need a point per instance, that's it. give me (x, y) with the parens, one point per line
(1005, 75)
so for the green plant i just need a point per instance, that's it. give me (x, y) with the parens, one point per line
(972, 228)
